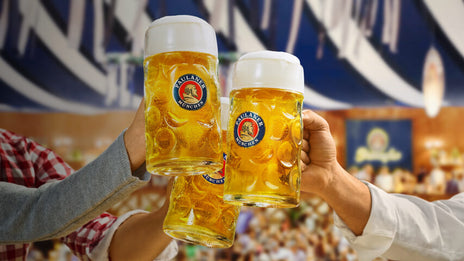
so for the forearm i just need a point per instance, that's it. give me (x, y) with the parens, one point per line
(140, 237)
(58, 208)
(349, 198)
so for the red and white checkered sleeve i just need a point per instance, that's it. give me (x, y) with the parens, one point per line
(48, 166)
(92, 241)
(83, 240)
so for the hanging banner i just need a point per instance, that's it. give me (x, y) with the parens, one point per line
(379, 143)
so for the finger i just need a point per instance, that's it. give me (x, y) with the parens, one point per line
(305, 146)
(313, 122)
(303, 166)
(305, 158)
(306, 134)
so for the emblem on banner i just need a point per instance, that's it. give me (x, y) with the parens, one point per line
(376, 150)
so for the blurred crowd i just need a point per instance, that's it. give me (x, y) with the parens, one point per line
(305, 233)
(439, 180)
(50, 250)
(268, 234)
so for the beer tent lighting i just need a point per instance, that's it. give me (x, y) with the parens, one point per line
(433, 85)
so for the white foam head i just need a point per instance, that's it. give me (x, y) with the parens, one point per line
(180, 33)
(268, 69)
(225, 103)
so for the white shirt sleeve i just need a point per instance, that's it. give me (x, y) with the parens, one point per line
(100, 252)
(403, 227)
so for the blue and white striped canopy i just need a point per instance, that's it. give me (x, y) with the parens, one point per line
(83, 56)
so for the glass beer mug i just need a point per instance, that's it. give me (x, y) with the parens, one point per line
(182, 131)
(264, 135)
(197, 213)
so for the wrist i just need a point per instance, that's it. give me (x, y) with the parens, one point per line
(160, 213)
(349, 198)
(331, 180)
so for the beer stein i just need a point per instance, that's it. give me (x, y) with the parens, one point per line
(264, 136)
(182, 113)
(197, 213)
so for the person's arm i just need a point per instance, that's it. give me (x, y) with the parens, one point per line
(142, 238)
(398, 227)
(404, 227)
(322, 175)
(138, 235)
(59, 207)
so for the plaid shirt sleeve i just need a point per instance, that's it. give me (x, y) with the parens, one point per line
(48, 167)
(25, 162)
(83, 240)
(47, 164)
(92, 241)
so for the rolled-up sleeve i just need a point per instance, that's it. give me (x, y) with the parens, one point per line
(380, 229)
(404, 227)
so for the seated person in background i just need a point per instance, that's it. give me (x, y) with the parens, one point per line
(353, 170)
(460, 179)
(365, 173)
(422, 181)
(384, 179)
(41, 198)
(437, 180)
(397, 227)
(452, 185)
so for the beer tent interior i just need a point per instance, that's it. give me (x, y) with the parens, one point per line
(85, 57)
(361, 59)
(71, 71)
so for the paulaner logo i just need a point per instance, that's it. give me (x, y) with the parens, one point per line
(217, 177)
(249, 129)
(190, 92)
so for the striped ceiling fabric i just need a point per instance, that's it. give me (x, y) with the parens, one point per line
(85, 57)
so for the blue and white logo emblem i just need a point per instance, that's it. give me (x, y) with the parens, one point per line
(190, 92)
(249, 129)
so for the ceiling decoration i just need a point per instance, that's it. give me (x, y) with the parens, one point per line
(86, 56)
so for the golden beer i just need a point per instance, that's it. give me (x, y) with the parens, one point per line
(197, 213)
(182, 131)
(265, 132)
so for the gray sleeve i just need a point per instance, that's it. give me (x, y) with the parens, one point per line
(60, 207)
